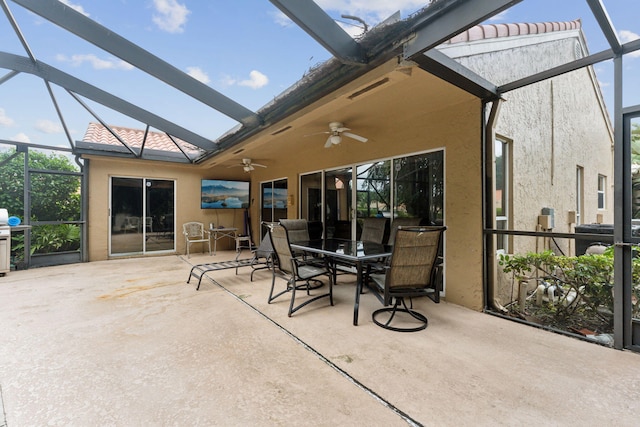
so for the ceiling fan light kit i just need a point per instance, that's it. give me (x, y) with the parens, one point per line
(336, 131)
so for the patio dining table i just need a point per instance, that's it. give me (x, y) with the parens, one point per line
(354, 252)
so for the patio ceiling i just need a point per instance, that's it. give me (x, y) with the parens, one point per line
(409, 42)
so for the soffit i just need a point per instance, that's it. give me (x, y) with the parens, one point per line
(391, 96)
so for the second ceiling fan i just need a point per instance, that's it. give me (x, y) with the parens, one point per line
(248, 165)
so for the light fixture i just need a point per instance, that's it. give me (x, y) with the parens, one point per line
(335, 139)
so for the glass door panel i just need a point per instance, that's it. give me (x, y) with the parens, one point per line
(419, 187)
(159, 222)
(311, 203)
(338, 204)
(142, 215)
(374, 190)
(126, 215)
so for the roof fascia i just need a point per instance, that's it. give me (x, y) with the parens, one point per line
(315, 22)
(448, 18)
(440, 65)
(483, 46)
(103, 150)
(60, 78)
(87, 29)
(606, 25)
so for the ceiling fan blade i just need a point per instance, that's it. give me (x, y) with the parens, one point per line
(316, 133)
(258, 165)
(328, 143)
(341, 129)
(234, 166)
(356, 137)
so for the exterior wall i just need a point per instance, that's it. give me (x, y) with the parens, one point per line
(455, 129)
(187, 191)
(555, 126)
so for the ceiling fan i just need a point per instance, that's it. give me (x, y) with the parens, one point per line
(248, 165)
(337, 131)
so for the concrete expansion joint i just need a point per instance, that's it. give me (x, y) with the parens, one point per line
(410, 421)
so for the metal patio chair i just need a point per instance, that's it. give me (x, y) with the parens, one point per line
(414, 271)
(194, 232)
(294, 270)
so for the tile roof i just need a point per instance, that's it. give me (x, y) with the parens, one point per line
(98, 134)
(490, 31)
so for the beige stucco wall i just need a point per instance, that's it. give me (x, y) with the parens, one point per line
(187, 187)
(552, 127)
(456, 129)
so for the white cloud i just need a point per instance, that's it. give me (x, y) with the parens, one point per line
(4, 119)
(628, 36)
(47, 126)
(97, 63)
(75, 7)
(198, 74)
(20, 137)
(171, 16)
(256, 80)
(281, 19)
(500, 16)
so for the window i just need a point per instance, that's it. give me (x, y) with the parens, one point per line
(419, 187)
(579, 193)
(409, 187)
(273, 196)
(502, 194)
(602, 185)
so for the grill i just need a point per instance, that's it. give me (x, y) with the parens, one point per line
(5, 242)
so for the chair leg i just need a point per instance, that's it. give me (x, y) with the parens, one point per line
(396, 309)
(293, 296)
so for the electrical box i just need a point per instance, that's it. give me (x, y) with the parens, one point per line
(550, 222)
(545, 222)
(571, 217)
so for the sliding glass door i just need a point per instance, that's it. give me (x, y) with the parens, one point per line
(338, 203)
(408, 187)
(141, 216)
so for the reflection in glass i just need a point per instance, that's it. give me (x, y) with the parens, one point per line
(419, 187)
(374, 190)
(142, 215)
(337, 203)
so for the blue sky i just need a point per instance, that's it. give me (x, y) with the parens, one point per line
(245, 49)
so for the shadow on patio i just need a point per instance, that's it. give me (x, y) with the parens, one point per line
(129, 342)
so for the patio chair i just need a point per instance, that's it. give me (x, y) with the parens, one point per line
(297, 229)
(263, 255)
(294, 270)
(412, 272)
(194, 232)
(373, 230)
(401, 222)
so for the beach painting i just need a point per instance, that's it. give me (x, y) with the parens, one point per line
(223, 194)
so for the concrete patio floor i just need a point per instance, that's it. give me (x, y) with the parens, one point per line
(129, 343)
